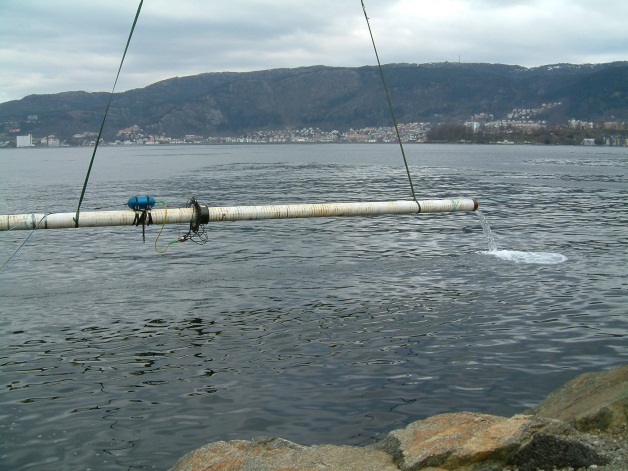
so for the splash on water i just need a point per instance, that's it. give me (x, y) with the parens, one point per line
(543, 258)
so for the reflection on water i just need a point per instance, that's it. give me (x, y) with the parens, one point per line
(319, 331)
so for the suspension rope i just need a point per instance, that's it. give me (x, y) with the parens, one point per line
(102, 124)
(390, 105)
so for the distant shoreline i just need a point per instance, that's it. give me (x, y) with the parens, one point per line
(536, 144)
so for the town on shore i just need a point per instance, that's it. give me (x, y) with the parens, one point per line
(519, 127)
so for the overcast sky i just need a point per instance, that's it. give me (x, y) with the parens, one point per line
(51, 46)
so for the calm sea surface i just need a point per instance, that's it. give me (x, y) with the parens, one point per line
(114, 357)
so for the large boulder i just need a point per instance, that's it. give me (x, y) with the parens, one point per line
(590, 402)
(470, 441)
(276, 454)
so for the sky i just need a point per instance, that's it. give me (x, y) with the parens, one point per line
(55, 46)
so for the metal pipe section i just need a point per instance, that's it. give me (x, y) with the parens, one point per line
(235, 213)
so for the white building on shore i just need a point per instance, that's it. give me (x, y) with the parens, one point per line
(24, 141)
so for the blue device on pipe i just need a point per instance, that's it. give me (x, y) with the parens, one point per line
(140, 203)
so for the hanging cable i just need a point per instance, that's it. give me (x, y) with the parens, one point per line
(392, 112)
(200, 217)
(196, 232)
(162, 228)
(102, 124)
(5, 264)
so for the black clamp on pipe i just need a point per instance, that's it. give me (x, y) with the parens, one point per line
(200, 217)
(204, 218)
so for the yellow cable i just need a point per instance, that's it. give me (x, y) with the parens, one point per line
(162, 228)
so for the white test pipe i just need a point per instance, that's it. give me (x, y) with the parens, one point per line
(234, 213)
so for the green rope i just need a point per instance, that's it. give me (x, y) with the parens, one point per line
(102, 124)
(392, 112)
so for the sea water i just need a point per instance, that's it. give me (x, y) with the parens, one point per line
(316, 330)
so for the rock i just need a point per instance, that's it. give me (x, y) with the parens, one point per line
(276, 454)
(480, 441)
(591, 401)
(548, 451)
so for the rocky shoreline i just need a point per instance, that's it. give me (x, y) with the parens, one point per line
(582, 425)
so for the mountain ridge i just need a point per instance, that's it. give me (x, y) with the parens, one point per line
(232, 103)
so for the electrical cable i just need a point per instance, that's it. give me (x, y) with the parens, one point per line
(196, 232)
(162, 228)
